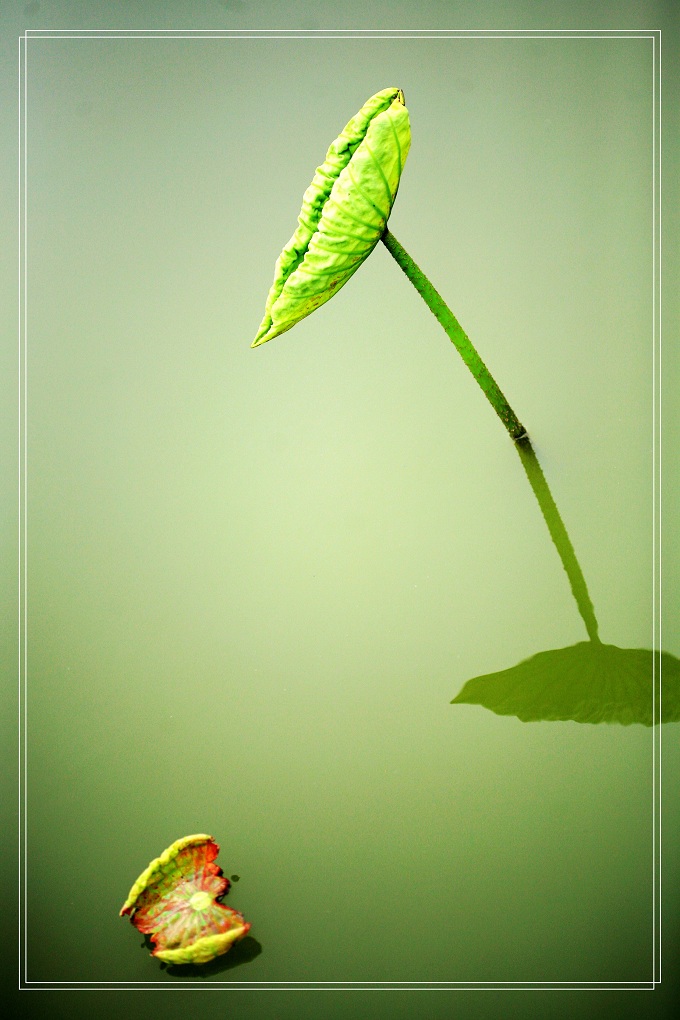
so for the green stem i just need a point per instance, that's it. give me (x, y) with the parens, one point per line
(537, 480)
(456, 334)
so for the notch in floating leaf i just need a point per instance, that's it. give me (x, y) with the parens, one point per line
(176, 901)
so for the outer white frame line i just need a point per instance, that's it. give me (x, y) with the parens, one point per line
(363, 35)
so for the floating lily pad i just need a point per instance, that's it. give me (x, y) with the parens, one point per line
(175, 901)
(589, 683)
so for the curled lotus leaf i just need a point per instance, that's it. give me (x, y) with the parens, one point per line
(344, 212)
(175, 902)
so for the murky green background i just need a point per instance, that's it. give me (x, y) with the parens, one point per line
(257, 578)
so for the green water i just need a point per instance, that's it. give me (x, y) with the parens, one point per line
(256, 579)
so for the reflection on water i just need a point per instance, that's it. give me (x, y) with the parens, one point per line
(587, 682)
(559, 535)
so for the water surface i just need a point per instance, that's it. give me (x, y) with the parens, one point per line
(256, 579)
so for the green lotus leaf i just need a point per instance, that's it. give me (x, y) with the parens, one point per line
(344, 212)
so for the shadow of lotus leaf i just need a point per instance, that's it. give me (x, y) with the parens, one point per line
(589, 682)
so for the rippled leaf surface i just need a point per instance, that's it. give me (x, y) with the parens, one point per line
(344, 212)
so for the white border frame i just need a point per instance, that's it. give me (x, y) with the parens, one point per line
(654, 35)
